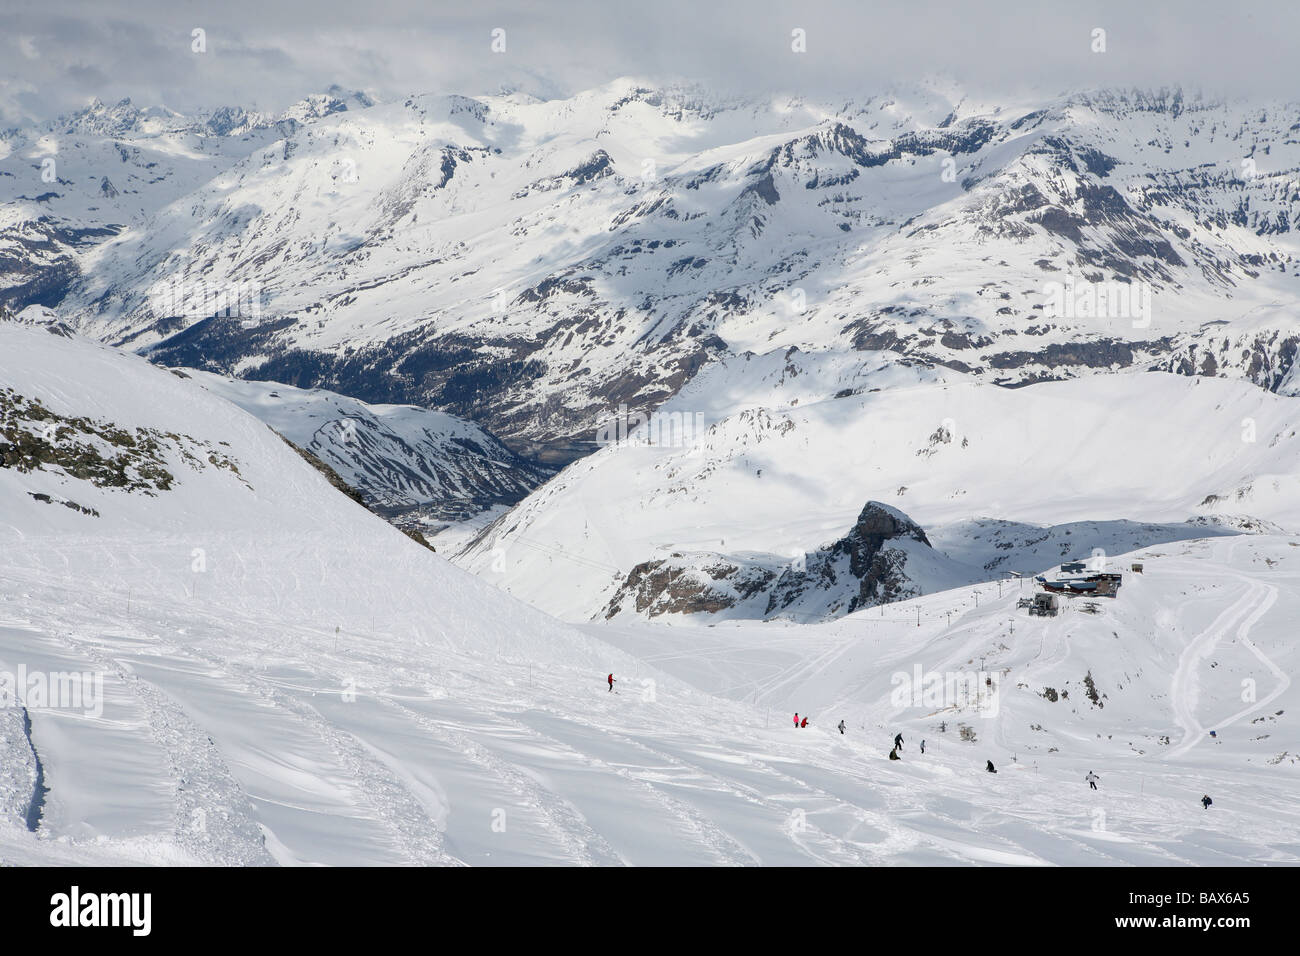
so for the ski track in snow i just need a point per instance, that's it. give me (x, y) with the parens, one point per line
(1256, 602)
(318, 690)
(413, 831)
(783, 792)
(724, 848)
(690, 777)
(585, 846)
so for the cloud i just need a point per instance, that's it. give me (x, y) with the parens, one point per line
(268, 55)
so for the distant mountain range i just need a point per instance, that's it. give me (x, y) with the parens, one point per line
(532, 265)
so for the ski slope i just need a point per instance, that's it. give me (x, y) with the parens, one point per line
(1000, 479)
(288, 680)
(439, 746)
(1169, 658)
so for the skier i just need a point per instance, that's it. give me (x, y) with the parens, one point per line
(898, 741)
(841, 726)
(1206, 801)
(989, 766)
(796, 720)
(1092, 779)
(804, 722)
(893, 754)
(922, 745)
(611, 683)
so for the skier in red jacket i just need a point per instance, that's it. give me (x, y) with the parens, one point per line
(611, 683)
(805, 722)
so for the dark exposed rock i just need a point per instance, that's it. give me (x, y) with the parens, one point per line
(877, 571)
(33, 438)
(668, 586)
(864, 568)
(1102, 354)
(329, 474)
(597, 167)
(764, 189)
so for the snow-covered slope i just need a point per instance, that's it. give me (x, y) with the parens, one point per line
(531, 265)
(273, 674)
(412, 464)
(783, 481)
(72, 183)
(162, 541)
(1129, 688)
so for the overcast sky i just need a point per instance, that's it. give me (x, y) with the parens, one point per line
(55, 56)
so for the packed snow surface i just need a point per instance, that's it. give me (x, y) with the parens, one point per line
(287, 679)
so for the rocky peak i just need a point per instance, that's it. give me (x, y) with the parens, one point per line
(878, 522)
(873, 563)
(876, 555)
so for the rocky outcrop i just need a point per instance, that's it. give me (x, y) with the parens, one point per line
(34, 438)
(868, 566)
(690, 584)
(884, 557)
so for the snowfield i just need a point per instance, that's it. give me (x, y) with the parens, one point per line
(284, 678)
(1000, 479)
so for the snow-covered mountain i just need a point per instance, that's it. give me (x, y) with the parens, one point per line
(416, 466)
(884, 557)
(821, 374)
(999, 479)
(160, 542)
(74, 182)
(533, 265)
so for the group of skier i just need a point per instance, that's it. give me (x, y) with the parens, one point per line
(1091, 779)
(898, 745)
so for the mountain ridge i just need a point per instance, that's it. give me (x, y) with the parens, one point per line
(531, 265)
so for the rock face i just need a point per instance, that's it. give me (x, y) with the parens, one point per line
(35, 439)
(884, 557)
(690, 584)
(868, 566)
